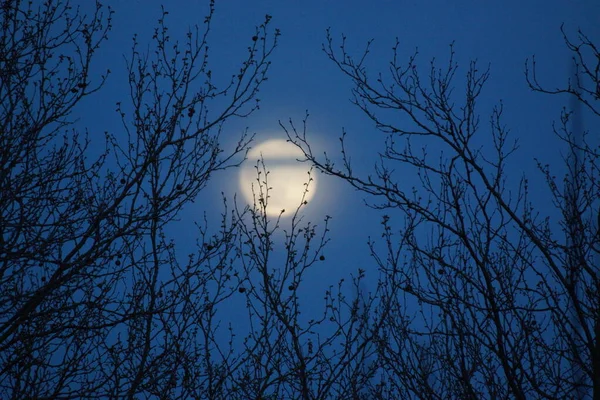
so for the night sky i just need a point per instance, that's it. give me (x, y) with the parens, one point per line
(502, 34)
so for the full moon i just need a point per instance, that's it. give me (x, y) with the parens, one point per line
(287, 180)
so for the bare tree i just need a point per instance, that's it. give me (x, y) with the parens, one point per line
(291, 352)
(480, 296)
(96, 300)
(478, 286)
(93, 300)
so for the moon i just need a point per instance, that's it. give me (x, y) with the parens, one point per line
(288, 180)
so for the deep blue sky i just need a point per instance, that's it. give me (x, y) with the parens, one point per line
(502, 33)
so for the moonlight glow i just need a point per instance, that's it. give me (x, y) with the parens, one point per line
(287, 179)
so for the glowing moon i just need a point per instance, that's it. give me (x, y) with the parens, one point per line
(287, 178)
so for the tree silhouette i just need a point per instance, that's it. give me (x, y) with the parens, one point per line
(480, 295)
(93, 300)
(96, 299)
(484, 296)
